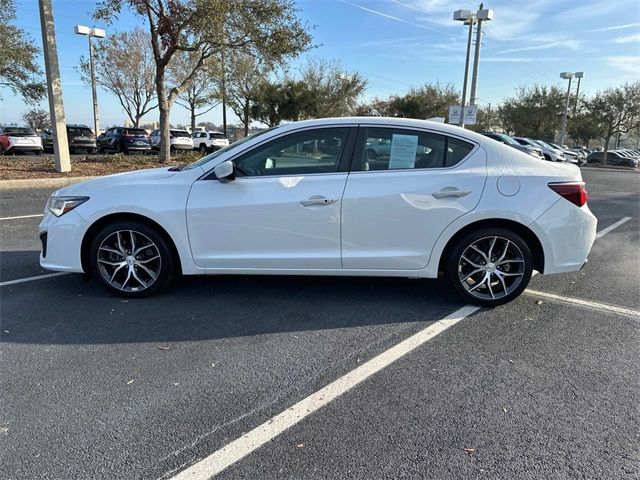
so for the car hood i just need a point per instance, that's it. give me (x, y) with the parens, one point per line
(126, 178)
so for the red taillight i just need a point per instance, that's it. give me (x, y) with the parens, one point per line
(574, 192)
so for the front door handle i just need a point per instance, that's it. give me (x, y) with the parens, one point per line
(318, 200)
(451, 192)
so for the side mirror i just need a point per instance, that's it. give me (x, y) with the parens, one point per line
(225, 172)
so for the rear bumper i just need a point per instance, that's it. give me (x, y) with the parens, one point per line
(24, 148)
(567, 234)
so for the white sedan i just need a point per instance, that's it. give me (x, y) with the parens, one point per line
(306, 199)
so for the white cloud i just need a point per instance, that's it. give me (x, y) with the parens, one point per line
(629, 65)
(628, 39)
(616, 27)
(569, 44)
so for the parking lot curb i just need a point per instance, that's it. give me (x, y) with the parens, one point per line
(55, 182)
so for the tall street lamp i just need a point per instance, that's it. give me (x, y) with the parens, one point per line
(567, 76)
(470, 18)
(90, 33)
(579, 76)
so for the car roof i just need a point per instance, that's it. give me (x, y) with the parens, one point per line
(443, 128)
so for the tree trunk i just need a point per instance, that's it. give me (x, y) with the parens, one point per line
(164, 107)
(606, 146)
(246, 119)
(193, 119)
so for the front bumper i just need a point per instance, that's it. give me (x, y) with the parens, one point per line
(567, 234)
(61, 239)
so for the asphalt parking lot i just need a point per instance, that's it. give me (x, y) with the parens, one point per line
(548, 386)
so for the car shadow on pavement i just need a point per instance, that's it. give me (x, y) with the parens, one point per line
(70, 310)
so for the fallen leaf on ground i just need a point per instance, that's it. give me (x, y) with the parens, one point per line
(300, 445)
(538, 302)
(4, 429)
(469, 450)
(129, 382)
(6, 331)
(511, 361)
(163, 347)
(504, 409)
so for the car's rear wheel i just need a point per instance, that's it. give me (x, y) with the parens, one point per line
(490, 267)
(203, 148)
(131, 259)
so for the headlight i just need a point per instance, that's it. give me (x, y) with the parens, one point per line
(61, 205)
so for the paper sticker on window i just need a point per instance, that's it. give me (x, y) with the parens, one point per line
(403, 151)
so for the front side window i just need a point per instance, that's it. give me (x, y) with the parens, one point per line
(303, 153)
(400, 149)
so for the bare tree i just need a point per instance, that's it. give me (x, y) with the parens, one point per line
(205, 28)
(125, 67)
(244, 74)
(37, 118)
(201, 94)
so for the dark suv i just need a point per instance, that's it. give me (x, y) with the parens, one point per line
(124, 140)
(79, 137)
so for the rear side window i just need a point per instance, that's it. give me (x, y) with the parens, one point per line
(401, 149)
(456, 151)
(217, 136)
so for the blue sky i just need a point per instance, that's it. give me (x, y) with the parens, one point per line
(399, 43)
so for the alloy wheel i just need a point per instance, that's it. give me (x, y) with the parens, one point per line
(491, 268)
(129, 261)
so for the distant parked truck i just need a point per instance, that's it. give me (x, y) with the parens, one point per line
(207, 142)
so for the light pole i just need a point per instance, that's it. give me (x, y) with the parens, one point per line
(54, 88)
(563, 129)
(470, 18)
(579, 76)
(90, 33)
(483, 15)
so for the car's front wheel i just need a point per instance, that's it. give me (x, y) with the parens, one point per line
(490, 267)
(131, 259)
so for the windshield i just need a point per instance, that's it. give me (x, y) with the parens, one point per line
(506, 139)
(206, 159)
(545, 145)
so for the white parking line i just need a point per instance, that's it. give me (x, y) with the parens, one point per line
(625, 312)
(30, 279)
(22, 216)
(243, 446)
(604, 231)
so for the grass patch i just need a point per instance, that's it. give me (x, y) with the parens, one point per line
(42, 166)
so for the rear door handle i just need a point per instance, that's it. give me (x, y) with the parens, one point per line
(318, 200)
(451, 192)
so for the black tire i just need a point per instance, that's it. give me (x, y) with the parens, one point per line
(519, 272)
(91, 151)
(164, 267)
(203, 149)
(38, 152)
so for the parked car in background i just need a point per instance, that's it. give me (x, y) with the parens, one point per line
(570, 155)
(209, 141)
(507, 140)
(613, 158)
(549, 153)
(442, 199)
(124, 140)
(19, 139)
(178, 140)
(79, 137)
